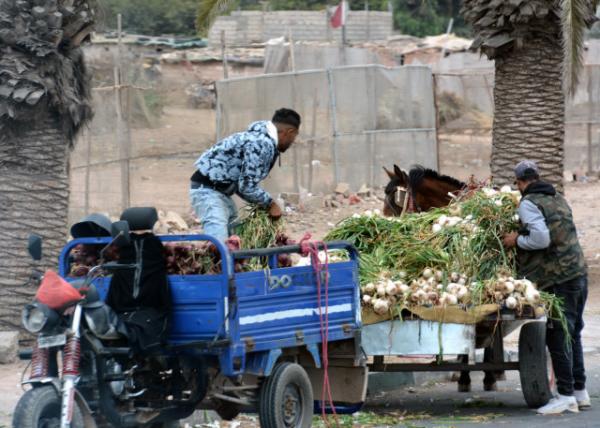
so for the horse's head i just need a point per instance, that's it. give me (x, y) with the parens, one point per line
(419, 190)
(396, 192)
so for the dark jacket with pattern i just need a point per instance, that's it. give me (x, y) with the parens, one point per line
(244, 159)
(563, 259)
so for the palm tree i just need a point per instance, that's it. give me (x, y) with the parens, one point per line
(537, 46)
(44, 101)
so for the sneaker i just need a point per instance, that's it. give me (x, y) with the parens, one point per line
(583, 399)
(559, 404)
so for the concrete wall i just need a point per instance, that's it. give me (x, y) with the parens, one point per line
(246, 27)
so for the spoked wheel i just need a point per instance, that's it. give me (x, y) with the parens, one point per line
(40, 408)
(286, 398)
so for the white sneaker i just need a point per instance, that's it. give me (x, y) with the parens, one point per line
(583, 399)
(559, 404)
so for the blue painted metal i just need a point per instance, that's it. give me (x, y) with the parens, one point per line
(260, 313)
(313, 348)
(262, 363)
(340, 409)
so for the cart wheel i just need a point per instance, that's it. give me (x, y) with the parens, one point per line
(533, 364)
(286, 398)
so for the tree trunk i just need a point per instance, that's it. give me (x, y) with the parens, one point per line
(529, 111)
(34, 197)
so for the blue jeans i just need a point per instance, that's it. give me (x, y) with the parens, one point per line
(567, 357)
(215, 211)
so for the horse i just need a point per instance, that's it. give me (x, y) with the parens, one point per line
(420, 190)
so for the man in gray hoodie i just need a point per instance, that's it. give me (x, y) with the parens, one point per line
(549, 254)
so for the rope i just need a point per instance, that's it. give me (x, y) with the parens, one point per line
(311, 248)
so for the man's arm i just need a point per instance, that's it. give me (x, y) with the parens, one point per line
(255, 168)
(534, 221)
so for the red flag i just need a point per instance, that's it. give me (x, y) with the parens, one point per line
(339, 16)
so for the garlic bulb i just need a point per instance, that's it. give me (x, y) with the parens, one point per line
(380, 290)
(532, 295)
(511, 302)
(391, 289)
(427, 273)
(367, 299)
(509, 287)
(381, 306)
(448, 299)
(462, 292)
(370, 288)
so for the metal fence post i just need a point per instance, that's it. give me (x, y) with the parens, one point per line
(334, 131)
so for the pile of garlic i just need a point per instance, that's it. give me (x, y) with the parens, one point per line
(427, 290)
(435, 288)
(514, 293)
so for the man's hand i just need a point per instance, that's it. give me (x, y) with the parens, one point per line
(510, 239)
(275, 211)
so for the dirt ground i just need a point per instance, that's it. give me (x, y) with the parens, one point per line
(582, 196)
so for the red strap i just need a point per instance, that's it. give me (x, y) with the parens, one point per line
(311, 248)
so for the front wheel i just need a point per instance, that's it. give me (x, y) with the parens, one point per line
(40, 408)
(286, 398)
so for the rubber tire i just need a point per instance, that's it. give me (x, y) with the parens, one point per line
(533, 364)
(270, 409)
(35, 402)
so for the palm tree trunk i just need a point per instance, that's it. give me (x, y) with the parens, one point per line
(34, 197)
(529, 111)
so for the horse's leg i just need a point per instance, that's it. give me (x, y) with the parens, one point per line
(494, 354)
(489, 380)
(464, 381)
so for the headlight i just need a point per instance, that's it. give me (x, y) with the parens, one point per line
(37, 316)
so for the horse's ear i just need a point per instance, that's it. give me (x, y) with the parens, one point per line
(389, 173)
(400, 174)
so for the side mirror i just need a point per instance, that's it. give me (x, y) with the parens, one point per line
(119, 231)
(34, 247)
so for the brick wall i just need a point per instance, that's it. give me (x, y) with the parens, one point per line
(246, 27)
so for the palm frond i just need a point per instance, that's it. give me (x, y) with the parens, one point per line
(208, 11)
(574, 21)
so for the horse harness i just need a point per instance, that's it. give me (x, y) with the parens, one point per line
(408, 200)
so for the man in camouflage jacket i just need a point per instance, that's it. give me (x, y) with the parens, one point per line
(236, 165)
(549, 254)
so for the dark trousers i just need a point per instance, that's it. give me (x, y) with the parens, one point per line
(567, 356)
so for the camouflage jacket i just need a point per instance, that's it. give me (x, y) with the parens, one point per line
(563, 259)
(244, 158)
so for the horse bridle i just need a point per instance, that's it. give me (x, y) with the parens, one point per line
(407, 200)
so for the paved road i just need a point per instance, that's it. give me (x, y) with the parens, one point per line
(442, 405)
(445, 407)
